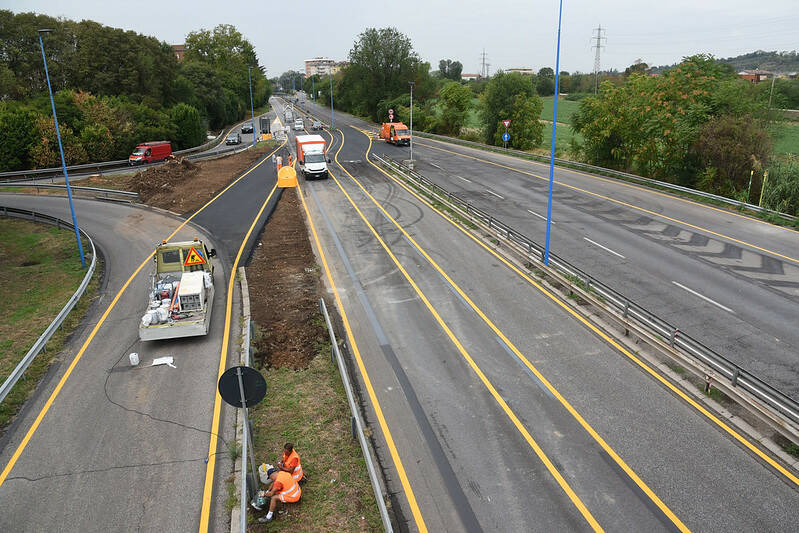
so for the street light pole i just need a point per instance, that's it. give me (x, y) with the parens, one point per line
(332, 117)
(252, 109)
(552, 147)
(411, 143)
(61, 149)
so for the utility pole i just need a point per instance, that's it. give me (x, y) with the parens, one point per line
(483, 64)
(598, 47)
(411, 142)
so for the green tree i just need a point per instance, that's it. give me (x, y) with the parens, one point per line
(45, 153)
(450, 69)
(497, 101)
(455, 102)
(189, 127)
(526, 131)
(18, 126)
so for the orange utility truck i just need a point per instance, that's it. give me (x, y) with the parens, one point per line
(396, 133)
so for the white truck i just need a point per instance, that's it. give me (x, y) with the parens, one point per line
(311, 156)
(182, 292)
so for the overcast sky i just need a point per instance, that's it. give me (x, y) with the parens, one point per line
(513, 33)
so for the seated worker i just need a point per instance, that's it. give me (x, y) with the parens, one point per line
(291, 462)
(284, 489)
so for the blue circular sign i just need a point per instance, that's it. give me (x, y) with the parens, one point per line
(506, 136)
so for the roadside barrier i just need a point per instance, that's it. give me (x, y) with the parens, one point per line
(104, 194)
(619, 305)
(41, 342)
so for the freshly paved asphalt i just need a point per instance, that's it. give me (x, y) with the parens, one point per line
(125, 448)
(467, 464)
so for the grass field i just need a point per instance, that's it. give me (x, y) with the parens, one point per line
(39, 271)
(566, 108)
(786, 138)
(563, 137)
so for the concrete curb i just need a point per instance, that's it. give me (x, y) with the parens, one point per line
(235, 513)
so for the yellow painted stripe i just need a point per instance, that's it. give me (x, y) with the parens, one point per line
(406, 485)
(210, 467)
(564, 485)
(79, 355)
(635, 207)
(610, 341)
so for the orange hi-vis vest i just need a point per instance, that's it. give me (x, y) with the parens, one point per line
(290, 491)
(296, 472)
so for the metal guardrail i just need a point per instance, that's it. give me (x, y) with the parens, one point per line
(106, 193)
(355, 420)
(41, 342)
(618, 303)
(610, 172)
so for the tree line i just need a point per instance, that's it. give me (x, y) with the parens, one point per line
(114, 89)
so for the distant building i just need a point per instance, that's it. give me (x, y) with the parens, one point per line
(179, 50)
(522, 71)
(322, 66)
(756, 76)
(470, 77)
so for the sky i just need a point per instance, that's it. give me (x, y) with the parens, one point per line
(514, 34)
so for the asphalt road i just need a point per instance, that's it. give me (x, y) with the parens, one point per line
(459, 404)
(729, 281)
(125, 448)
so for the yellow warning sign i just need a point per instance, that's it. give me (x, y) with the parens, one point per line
(194, 258)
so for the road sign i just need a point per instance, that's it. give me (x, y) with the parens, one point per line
(506, 123)
(506, 136)
(390, 115)
(194, 258)
(251, 387)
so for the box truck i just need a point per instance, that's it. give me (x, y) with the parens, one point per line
(311, 156)
(395, 133)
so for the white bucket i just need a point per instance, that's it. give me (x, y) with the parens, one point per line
(262, 472)
(134, 359)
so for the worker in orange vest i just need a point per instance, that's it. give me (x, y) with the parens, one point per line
(284, 489)
(291, 160)
(291, 462)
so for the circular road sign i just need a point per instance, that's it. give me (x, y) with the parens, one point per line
(253, 382)
(506, 136)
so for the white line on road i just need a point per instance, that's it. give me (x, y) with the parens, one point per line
(604, 247)
(495, 194)
(705, 298)
(438, 167)
(464, 179)
(542, 217)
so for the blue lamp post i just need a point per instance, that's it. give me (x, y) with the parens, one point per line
(332, 117)
(252, 109)
(61, 149)
(552, 148)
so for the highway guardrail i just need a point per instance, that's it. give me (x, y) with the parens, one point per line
(356, 424)
(610, 173)
(97, 192)
(41, 342)
(616, 302)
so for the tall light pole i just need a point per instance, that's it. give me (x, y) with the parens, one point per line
(411, 143)
(332, 117)
(252, 109)
(552, 147)
(61, 149)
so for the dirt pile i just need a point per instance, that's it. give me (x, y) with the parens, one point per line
(182, 186)
(284, 286)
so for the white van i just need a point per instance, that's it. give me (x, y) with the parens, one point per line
(299, 125)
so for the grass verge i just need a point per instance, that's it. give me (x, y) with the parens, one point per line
(39, 271)
(309, 408)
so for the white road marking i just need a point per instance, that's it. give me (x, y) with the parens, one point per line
(495, 194)
(464, 179)
(705, 298)
(438, 167)
(542, 217)
(604, 247)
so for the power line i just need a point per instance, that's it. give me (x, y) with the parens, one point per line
(598, 47)
(484, 65)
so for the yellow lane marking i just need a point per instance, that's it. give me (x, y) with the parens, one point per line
(465, 354)
(209, 470)
(417, 514)
(79, 355)
(607, 339)
(631, 206)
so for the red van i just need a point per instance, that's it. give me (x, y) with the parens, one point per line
(150, 152)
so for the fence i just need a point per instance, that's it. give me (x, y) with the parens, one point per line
(41, 342)
(618, 303)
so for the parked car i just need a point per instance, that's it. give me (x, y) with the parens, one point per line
(246, 128)
(299, 125)
(234, 138)
(316, 125)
